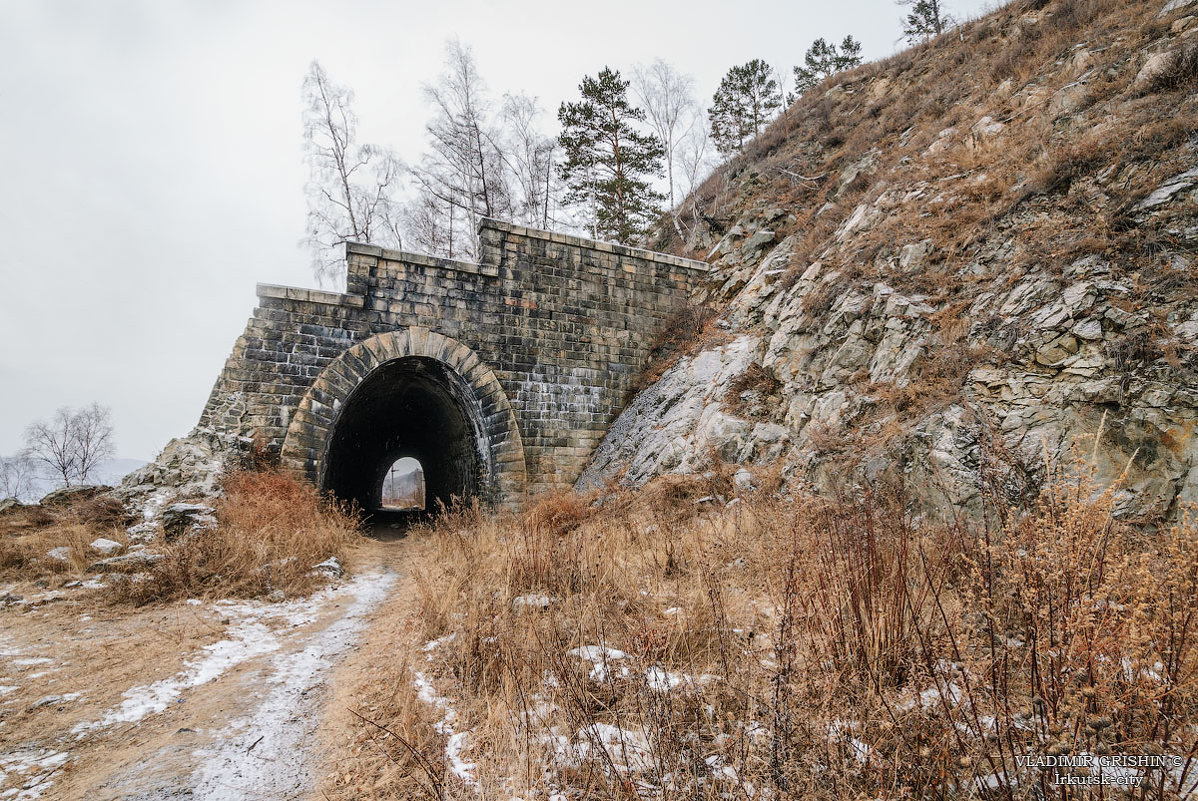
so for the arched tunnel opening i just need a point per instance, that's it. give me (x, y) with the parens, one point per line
(412, 408)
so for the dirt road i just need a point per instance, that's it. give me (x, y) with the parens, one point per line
(199, 699)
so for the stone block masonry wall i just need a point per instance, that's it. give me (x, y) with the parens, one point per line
(564, 323)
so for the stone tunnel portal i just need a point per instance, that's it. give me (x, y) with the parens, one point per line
(414, 407)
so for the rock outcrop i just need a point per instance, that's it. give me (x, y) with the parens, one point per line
(958, 302)
(170, 495)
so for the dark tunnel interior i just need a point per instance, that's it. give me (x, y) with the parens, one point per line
(414, 407)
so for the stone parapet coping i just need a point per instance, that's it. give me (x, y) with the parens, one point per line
(531, 233)
(310, 295)
(387, 254)
(592, 244)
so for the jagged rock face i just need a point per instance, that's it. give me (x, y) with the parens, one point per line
(189, 469)
(974, 383)
(676, 423)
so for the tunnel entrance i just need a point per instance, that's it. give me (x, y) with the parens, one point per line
(413, 408)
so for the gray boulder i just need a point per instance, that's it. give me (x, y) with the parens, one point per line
(129, 563)
(180, 518)
(64, 496)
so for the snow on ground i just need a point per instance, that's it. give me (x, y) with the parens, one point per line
(456, 742)
(34, 769)
(279, 719)
(264, 753)
(599, 656)
(251, 634)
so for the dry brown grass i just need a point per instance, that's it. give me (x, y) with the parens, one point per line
(790, 648)
(29, 534)
(849, 652)
(748, 392)
(271, 531)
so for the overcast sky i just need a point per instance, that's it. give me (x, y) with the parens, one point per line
(151, 165)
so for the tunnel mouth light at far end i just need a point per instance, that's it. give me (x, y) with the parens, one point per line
(403, 486)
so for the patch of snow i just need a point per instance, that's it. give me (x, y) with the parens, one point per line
(932, 697)
(456, 741)
(720, 769)
(995, 780)
(861, 750)
(433, 645)
(50, 700)
(453, 756)
(661, 680)
(249, 638)
(598, 653)
(626, 749)
(280, 726)
(38, 764)
(30, 661)
(531, 601)
(599, 656)
(60, 554)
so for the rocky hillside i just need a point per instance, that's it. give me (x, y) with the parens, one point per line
(962, 267)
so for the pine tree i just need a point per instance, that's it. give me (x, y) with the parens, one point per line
(742, 104)
(608, 160)
(825, 59)
(927, 19)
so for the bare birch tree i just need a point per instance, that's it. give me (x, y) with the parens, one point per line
(352, 187)
(529, 156)
(696, 159)
(464, 169)
(73, 443)
(16, 476)
(428, 224)
(668, 98)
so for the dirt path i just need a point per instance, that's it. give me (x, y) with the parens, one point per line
(223, 700)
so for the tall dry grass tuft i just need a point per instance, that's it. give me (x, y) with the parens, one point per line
(657, 645)
(271, 531)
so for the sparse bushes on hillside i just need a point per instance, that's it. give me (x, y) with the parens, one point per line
(41, 543)
(1180, 71)
(682, 333)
